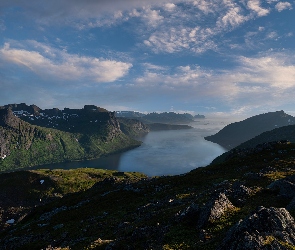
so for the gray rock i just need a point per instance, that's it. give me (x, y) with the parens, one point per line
(238, 193)
(285, 187)
(265, 228)
(214, 209)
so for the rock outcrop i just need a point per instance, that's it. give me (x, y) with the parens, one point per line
(265, 228)
(214, 209)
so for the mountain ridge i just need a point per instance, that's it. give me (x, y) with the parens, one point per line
(90, 134)
(238, 132)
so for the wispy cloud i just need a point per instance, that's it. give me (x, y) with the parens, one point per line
(255, 5)
(196, 26)
(162, 26)
(57, 64)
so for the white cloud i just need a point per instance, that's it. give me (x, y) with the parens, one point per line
(267, 80)
(164, 26)
(206, 6)
(272, 35)
(232, 18)
(275, 71)
(169, 6)
(46, 61)
(56, 10)
(283, 6)
(152, 17)
(255, 6)
(197, 26)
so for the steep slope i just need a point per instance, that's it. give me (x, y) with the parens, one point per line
(236, 133)
(247, 202)
(286, 133)
(23, 144)
(133, 127)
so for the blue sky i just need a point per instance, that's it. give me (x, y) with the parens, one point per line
(221, 57)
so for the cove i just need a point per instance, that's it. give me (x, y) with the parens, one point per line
(170, 152)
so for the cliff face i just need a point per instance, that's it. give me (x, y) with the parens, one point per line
(50, 136)
(8, 119)
(236, 133)
(133, 127)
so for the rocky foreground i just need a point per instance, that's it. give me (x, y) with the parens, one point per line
(245, 202)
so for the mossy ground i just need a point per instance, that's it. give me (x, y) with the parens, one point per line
(89, 209)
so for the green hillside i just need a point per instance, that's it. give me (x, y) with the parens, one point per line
(24, 145)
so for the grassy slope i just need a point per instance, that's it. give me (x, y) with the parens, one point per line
(128, 210)
(31, 145)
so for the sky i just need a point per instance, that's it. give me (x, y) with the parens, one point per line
(213, 57)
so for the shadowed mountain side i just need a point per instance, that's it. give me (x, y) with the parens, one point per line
(282, 134)
(236, 133)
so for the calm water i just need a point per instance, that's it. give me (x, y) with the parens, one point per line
(162, 152)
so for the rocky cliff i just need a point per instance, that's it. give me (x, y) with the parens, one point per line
(133, 127)
(236, 133)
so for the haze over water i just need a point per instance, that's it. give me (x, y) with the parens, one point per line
(168, 152)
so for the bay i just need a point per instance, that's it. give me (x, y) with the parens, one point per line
(170, 152)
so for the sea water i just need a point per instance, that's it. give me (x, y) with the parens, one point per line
(169, 152)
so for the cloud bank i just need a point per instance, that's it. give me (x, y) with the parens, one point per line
(49, 62)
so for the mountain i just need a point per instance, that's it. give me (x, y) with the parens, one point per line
(140, 126)
(164, 118)
(199, 116)
(133, 127)
(236, 133)
(165, 126)
(129, 114)
(246, 202)
(30, 136)
(286, 133)
(167, 117)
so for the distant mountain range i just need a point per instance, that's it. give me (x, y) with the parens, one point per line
(165, 117)
(236, 133)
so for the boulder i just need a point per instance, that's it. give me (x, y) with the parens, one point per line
(286, 187)
(238, 193)
(214, 209)
(265, 228)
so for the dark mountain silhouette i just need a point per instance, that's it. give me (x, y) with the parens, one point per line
(236, 133)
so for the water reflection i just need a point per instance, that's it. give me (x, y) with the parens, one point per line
(162, 153)
(111, 162)
(170, 153)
